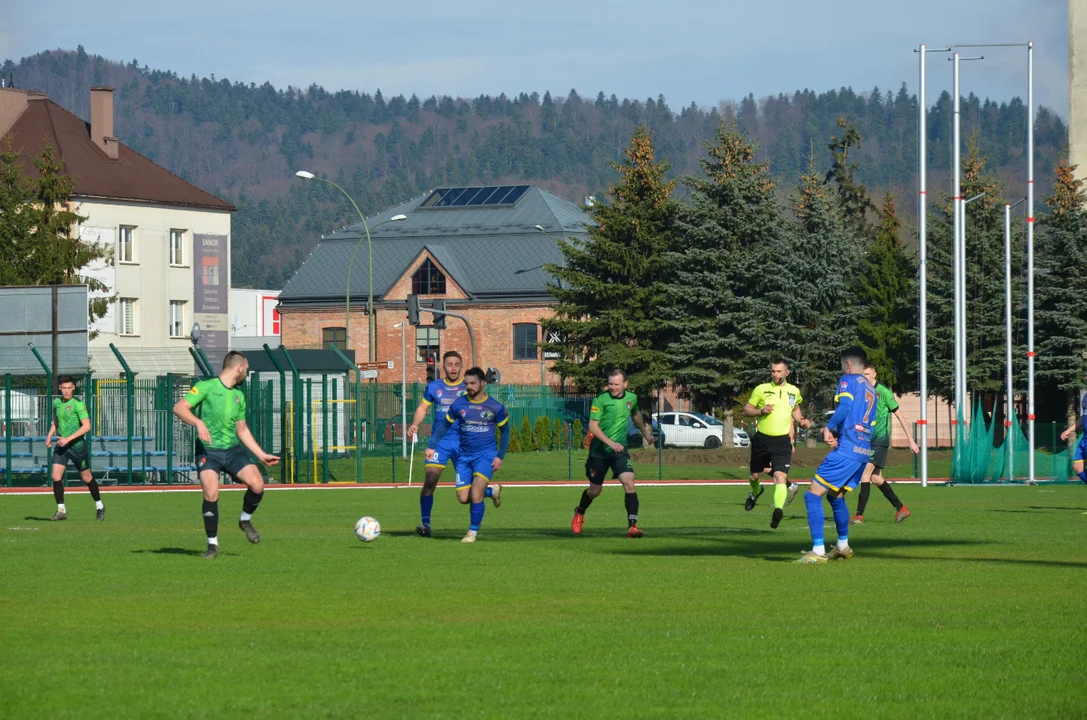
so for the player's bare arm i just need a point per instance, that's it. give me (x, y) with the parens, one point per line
(906, 431)
(184, 413)
(242, 430)
(53, 431)
(752, 411)
(646, 431)
(800, 419)
(594, 428)
(417, 418)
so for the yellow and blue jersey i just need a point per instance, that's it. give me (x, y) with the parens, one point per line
(855, 417)
(477, 421)
(441, 393)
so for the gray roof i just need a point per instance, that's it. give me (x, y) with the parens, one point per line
(480, 248)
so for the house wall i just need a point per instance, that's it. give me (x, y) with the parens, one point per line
(150, 278)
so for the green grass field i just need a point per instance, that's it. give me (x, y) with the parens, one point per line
(972, 608)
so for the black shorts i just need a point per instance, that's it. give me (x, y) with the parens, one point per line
(76, 453)
(597, 466)
(771, 451)
(879, 455)
(231, 461)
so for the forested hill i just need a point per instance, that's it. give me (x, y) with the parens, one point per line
(244, 142)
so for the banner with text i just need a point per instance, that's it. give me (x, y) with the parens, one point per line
(211, 294)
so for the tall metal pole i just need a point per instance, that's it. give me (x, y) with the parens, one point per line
(1009, 402)
(956, 200)
(404, 388)
(1030, 261)
(922, 213)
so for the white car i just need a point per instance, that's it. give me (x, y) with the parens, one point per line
(686, 429)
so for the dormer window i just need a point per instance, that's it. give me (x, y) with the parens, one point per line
(428, 280)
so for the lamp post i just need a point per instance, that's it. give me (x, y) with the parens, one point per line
(372, 341)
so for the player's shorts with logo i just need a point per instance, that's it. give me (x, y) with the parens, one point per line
(841, 470)
(771, 451)
(1081, 449)
(448, 451)
(230, 460)
(597, 466)
(468, 466)
(880, 448)
(75, 453)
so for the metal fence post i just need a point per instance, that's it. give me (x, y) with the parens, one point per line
(282, 413)
(296, 392)
(130, 393)
(324, 429)
(167, 408)
(358, 411)
(7, 427)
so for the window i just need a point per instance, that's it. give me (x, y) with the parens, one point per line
(667, 419)
(177, 318)
(177, 247)
(524, 341)
(427, 342)
(127, 316)
(275, 322)
(126, 245)
(428, 280)
(336, 335)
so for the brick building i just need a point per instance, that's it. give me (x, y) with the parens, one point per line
(479, 249)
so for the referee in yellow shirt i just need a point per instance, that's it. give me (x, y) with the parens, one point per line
(777, 405)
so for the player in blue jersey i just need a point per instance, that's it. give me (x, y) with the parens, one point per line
(849, 433)
(441, 394)
(475, 416)
(1080, 425)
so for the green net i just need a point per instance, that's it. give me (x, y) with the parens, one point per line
(978, 458)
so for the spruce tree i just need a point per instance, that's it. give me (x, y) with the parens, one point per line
(558, 435)
(542, 433)
(731, 218)
(610, 291)
(1060, 277)
(889, 290)
(528, 444)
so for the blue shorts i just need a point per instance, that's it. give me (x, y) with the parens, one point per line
(840, 471)
(470, 466)
(447, 451)
(1081, 450)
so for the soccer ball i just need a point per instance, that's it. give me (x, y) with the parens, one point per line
(367, 529)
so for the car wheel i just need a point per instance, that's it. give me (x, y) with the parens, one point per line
(713, 442)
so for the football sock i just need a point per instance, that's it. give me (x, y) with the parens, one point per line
(489, 492)
(816, 518)
(475, 515)
(250, 503)
(632, 508)
(58, 492)
(889, 493)
(93, 487)
(426, 504)
(754, 486)
(586, 501)
(862, 497)
(780, 493)
(211, 519)
(841, 519)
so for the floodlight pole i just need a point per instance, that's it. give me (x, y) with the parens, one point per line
(956, 197)
(1030, 262)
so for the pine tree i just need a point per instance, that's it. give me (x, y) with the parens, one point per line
(1061, 275)
(515, 439)
(16, 221)
(558, 434)
(543, 433)
(889, 290)
(527, 442)
(854, 198)
(610, 291)
(577, 434)
(731, 215)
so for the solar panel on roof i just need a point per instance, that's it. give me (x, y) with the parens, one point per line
(434, 198)
(514, 195)
(465, 197)
(499, 194)
(450, 196)
(482, 195)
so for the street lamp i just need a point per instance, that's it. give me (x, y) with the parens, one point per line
(403, 325)
(370, 296)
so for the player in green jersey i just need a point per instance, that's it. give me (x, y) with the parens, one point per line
(223, 438)
(607, 451)
(881, 445)
(71, 424)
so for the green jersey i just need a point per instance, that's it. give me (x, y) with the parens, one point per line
(612, 414)
(220, 408)
(69, 416)
(887, 405)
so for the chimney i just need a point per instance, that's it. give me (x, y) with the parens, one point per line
(12, 105)
(102, 121)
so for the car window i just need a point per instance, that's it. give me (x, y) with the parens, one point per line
(667, 419)
(684, 420)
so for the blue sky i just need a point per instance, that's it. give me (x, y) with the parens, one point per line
(687, 50)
